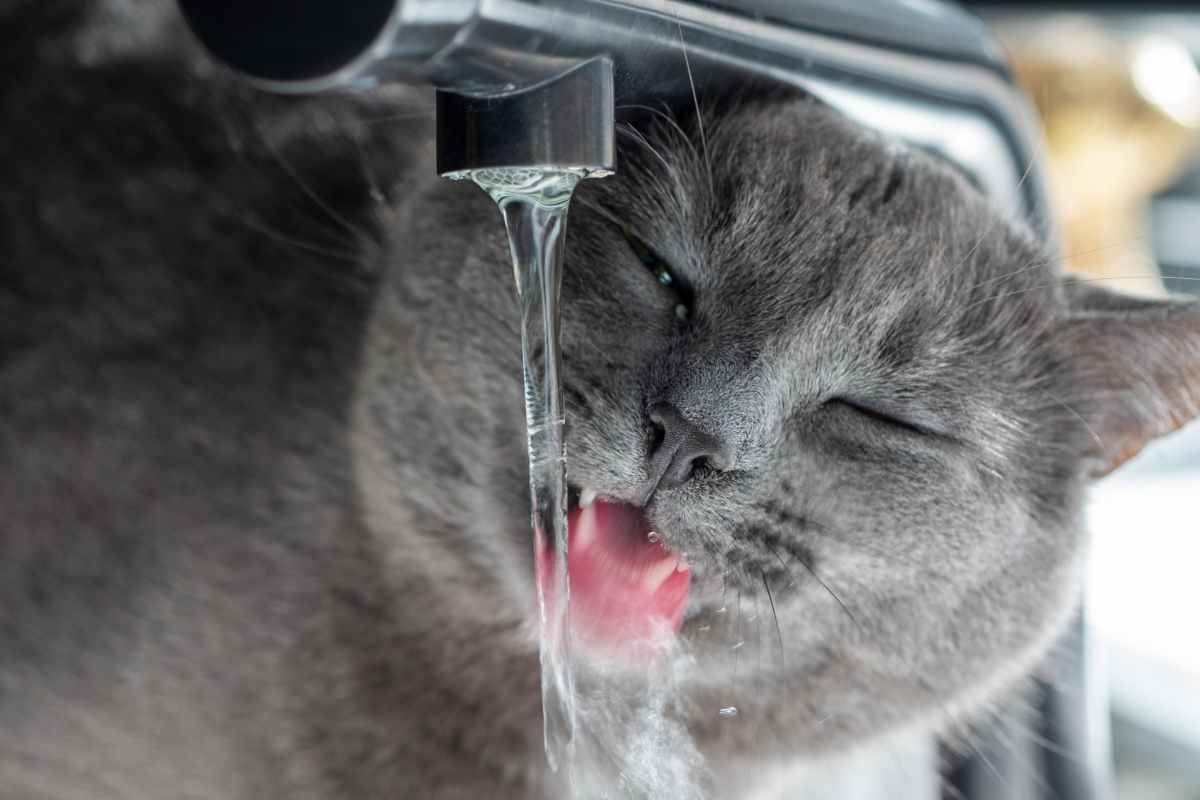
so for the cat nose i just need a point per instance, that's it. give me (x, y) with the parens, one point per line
(681, 449)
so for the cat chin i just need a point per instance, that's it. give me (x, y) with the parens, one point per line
(830, 698)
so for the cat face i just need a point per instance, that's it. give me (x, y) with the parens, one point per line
(860, 406)
(823, 309)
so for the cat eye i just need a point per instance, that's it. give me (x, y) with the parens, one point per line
(886, 414)
(661, 272)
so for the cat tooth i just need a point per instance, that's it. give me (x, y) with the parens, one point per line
(585, 529)
(586, 497)
(653, 577)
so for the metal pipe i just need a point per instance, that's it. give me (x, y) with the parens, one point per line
(924, 72)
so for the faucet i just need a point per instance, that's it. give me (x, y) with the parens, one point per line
(542, 83)
(526, 83)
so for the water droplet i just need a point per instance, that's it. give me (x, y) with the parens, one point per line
(653, 537)
(728, 711)
(704, 628)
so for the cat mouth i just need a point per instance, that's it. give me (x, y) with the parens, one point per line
(628, 589)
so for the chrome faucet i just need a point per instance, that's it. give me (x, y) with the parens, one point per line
(541, 82)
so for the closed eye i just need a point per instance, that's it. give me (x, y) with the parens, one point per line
(887, 415)
(662, 272)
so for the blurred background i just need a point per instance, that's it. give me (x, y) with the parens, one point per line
(1117, 87)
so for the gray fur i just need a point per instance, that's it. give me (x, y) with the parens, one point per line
(265, 524)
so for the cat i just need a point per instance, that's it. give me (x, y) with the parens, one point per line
(266, 527)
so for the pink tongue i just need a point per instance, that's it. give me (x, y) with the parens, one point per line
(626, 590)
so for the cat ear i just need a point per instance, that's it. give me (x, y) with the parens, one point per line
(1135, 368)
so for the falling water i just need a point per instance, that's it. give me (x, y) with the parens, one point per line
(534, 204)
(624, 741)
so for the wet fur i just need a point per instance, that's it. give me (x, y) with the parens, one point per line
(265, 525)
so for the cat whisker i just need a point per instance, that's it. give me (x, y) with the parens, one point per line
(261, 227)
(234, 141)
(1018, 720)
(764, 624)
(775, 616)
(1076, 415)
(641, 139)
(670, 123)
(952, 792)
(1079, 280)
(1136, 278)
(375, 190)
(978, 751)
(1048, 261)
(1014, 753)
(696, 101)
(996, 218)
(737, 636)
(817, 577)
(1051, 747)
(989, 729)
(308, 191)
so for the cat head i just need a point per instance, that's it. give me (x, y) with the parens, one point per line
(860, 404)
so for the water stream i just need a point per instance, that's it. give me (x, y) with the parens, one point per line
(533, 203)
(606, 736)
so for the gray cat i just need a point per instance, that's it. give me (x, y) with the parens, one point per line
(265, 522)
